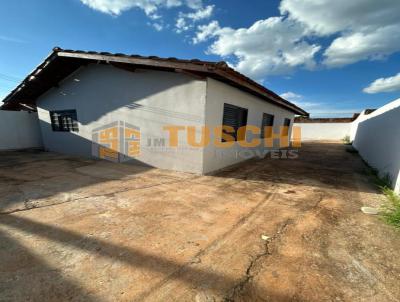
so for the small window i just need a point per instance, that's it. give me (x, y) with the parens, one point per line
(64, 121)
(235, 117)
(267, 121)
(286, 126)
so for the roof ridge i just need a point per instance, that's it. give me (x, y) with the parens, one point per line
(223, 64)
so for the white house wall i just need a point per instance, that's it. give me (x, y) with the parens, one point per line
(219, 93)
(323, 131)
(102, 94)
(19, 130)
(377, 139)
(354, 125)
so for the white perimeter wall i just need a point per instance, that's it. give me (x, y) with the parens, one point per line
(219, 93)
(19, 130)
(323, 131)
(377, 138)
(102, 94)
(354, 125)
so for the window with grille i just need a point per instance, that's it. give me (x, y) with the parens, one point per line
(235, 117)
(64, 121)
(267, 121)
(286, 125)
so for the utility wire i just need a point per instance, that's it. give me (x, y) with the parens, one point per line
(9, 78)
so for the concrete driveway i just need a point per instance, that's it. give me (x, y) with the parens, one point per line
(269, 230)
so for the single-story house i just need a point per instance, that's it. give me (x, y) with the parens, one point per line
(82, 98)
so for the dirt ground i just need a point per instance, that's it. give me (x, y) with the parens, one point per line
(268, 230)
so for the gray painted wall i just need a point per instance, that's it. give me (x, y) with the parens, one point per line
(19, 130)
(219, 93)
(103, 94)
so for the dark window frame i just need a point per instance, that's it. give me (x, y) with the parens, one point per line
(286, 127)
(64, 120)
(267, 121)
(236, 117)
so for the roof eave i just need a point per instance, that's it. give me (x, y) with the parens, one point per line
(209, 68)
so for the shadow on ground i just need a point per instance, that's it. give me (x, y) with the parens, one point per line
(324, 165)
(268, 230)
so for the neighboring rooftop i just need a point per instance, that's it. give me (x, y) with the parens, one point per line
(325, 120)
(61, 63)
(307, 119)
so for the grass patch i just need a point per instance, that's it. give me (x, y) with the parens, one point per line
(346, 140)
(390, 210)
(381, 182)
(349, 144)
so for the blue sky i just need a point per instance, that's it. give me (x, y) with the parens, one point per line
(332, 58)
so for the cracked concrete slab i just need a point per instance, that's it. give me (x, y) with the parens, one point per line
(86, 230)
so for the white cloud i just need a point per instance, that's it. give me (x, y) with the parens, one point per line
(117, 7)
(318, 109)
(271, 46)
(384, 85)
(155, 16)
(358, 30)
(194, 4)
(354, 47)
(200, 14)
(298, 100)
(12, 39)
(291, 96)
(206, 31)
(157, 26)
(368, 29)
(151, 9)
(186, 21)
(181, 25)
(326, 17)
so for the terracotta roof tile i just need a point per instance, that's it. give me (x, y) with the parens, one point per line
(26, 91)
